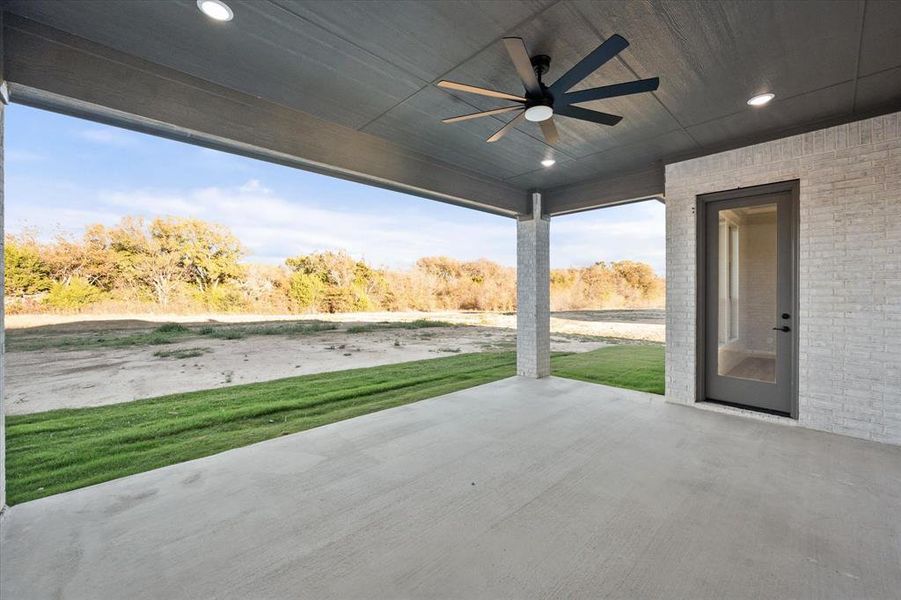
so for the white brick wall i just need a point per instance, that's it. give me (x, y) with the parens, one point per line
(850, 269)
(533, 316)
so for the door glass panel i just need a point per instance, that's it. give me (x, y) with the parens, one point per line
(746, 342)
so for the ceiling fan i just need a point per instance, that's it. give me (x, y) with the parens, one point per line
(541, 102)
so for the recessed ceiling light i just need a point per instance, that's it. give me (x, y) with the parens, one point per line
(216, 10)
(539, 113)
(761, 99)
(548, 162)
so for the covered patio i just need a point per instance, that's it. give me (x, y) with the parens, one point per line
(782, 481)
(523, 488)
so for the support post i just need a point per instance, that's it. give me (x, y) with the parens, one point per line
(4, 100)
(533, 302)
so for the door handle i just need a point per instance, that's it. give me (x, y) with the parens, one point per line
(784, 328)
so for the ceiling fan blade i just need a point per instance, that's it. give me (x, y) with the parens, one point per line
(516, 48)
(591, 63)
(472, 89)
(549, 129)
(506, 128)
(484, 113)
(612, 91)
(575, 112)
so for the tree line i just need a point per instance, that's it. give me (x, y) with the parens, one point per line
(173, 264)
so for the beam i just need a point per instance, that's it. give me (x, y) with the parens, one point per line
(647, 184)
(54, 70)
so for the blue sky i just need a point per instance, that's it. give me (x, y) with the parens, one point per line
(63, 173)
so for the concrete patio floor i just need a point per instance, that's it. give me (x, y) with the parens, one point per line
(518, 489)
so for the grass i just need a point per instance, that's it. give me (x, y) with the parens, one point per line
(228, 334)
(169, 333)
(181, 353)
(61, 450)
(237, 332)
(172, 328)
(635, 367)
(417, 324)
(362, 328)
(154, 337)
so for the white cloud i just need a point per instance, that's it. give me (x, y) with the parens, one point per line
(109, 136)
(49, 223)
(254, 186)
(207, 159)
(149, 202)
(631, 232)
(273, 227)
(22, 156)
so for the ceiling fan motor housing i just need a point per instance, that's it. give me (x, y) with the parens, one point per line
(541, 63)
(540, 108)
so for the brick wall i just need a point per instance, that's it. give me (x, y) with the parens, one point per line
(850, 269)
(533, 317)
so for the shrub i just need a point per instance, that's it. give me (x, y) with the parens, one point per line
(223, 298)
(72, 295)
(335, 282)
(26, 271)
(346, 299)
(188, 266)
(304, 291)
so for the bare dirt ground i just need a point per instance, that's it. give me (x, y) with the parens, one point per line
(630, 324)
(51, 378)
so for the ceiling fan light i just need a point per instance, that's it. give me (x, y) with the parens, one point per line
(548, 162)
(539, 113)
(216, 10)
(761, 99)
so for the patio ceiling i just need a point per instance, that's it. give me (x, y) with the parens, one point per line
(355, 82)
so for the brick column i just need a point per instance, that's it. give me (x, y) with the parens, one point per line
(533, 273)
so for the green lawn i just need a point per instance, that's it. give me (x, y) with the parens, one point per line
(62, 450)
(627, 366)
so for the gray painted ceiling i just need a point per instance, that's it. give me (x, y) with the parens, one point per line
(372, 65)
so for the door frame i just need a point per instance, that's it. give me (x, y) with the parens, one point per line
(794, 188)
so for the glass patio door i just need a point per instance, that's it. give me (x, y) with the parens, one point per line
(749, 321)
